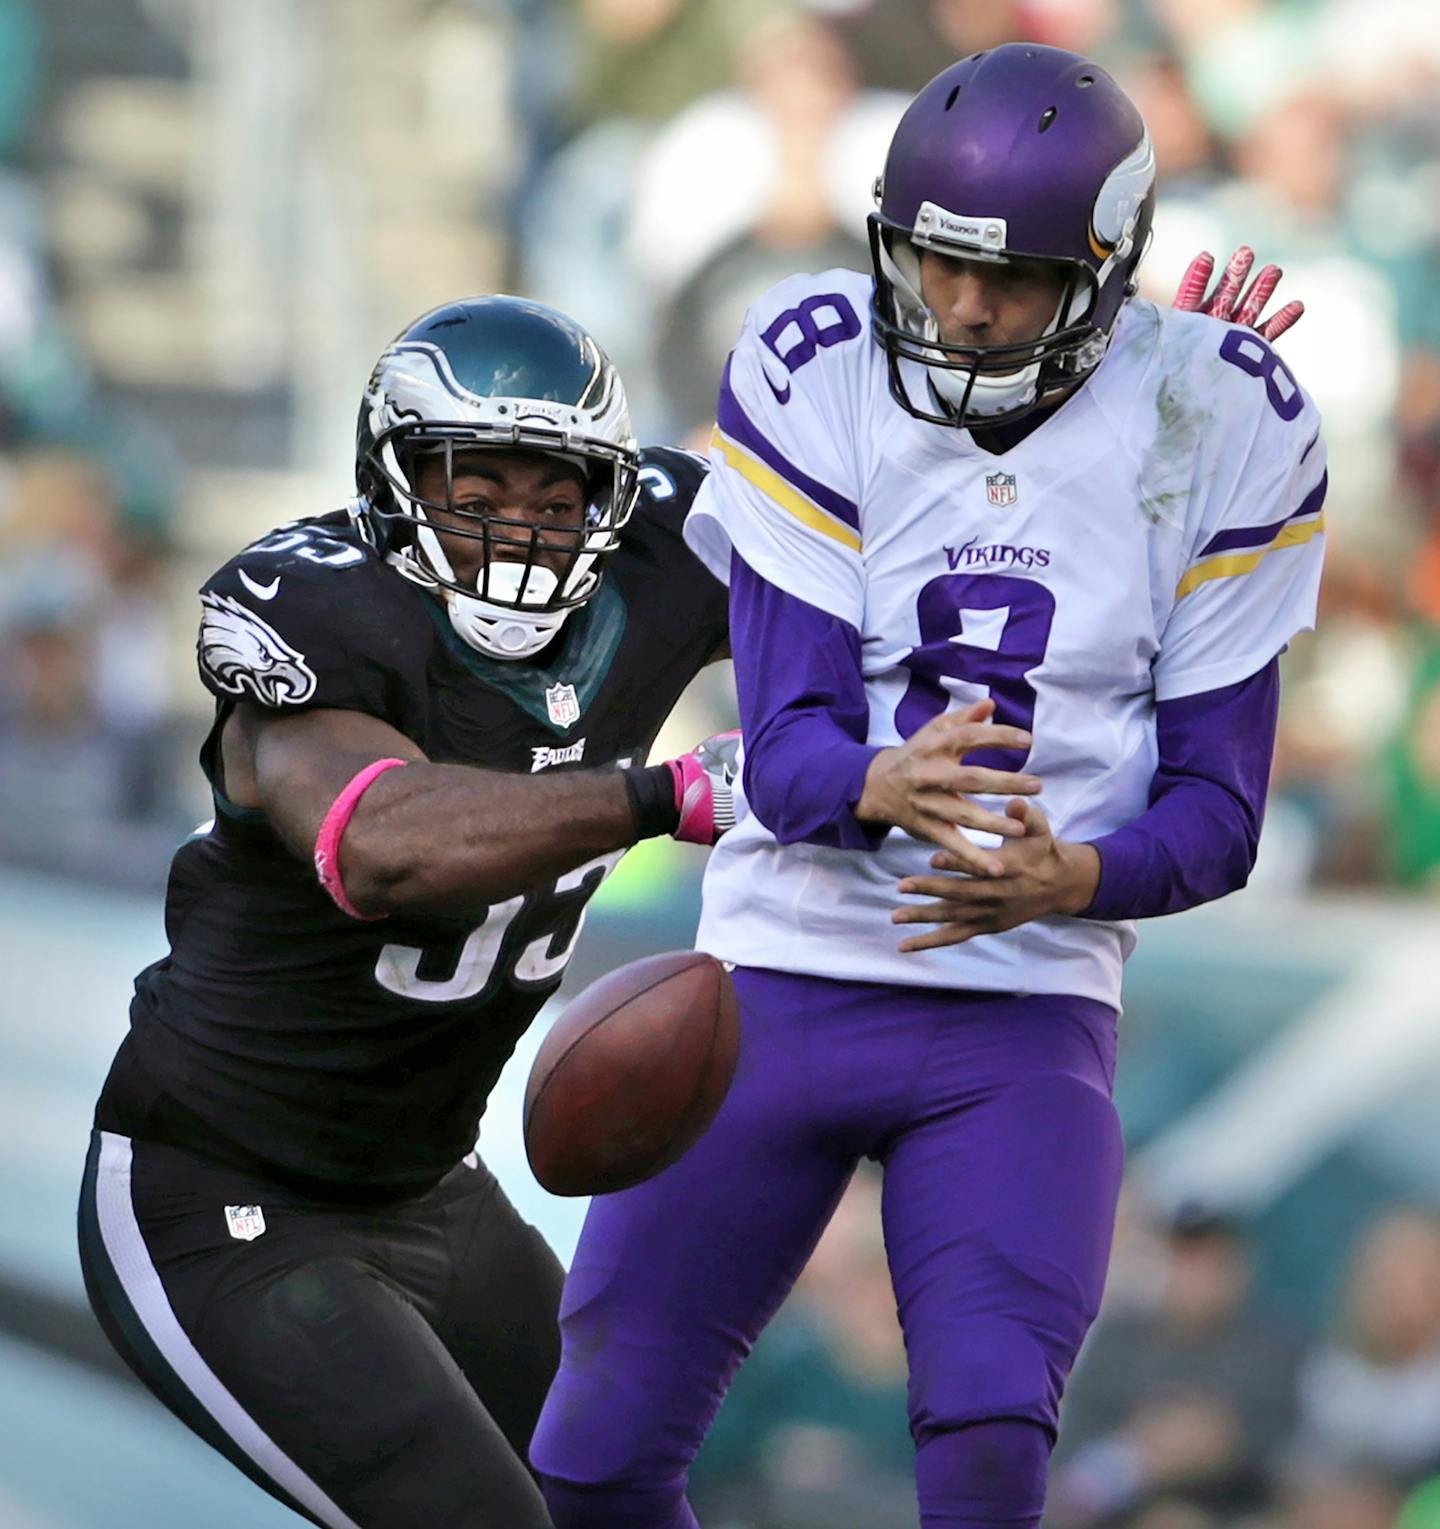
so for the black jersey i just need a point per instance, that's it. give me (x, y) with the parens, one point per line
(280, 1031)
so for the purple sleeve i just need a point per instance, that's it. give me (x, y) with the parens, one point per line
(1196, 841)
(803, 712)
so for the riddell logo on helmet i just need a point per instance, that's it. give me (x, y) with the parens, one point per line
(541, 410)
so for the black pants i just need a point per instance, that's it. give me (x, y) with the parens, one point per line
(373, 1369)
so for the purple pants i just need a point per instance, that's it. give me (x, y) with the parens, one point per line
(992, 1118)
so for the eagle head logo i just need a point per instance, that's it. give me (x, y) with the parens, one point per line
(241, 653)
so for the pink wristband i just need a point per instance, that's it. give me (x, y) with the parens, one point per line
(327, 841)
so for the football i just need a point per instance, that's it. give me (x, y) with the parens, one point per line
(631, 1074)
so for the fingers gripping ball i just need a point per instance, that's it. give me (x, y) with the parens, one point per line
(631, 1074)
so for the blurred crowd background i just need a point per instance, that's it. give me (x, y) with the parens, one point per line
(214, 215)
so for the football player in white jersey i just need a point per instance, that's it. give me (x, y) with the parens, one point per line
(998, 534)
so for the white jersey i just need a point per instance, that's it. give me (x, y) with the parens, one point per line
(1157, 537)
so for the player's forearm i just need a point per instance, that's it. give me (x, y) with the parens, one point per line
(1194, 846)
(441, 836)
(803, 713)
(1198, 838)
(803, 779)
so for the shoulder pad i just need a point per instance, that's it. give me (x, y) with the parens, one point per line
(319, 542)
(278, 621)
(671, 476)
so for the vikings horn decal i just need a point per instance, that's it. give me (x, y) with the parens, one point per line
(241, 653)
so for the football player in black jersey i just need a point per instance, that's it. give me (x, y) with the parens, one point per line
(432, 715)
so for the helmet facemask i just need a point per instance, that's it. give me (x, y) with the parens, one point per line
(979, 384)
(531, 574)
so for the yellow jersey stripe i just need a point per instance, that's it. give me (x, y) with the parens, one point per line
(1243, 562)
(774, 487)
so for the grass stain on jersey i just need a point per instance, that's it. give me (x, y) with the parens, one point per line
(1167, 469)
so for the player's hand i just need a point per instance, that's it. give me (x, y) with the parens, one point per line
(1225, 302)
(922, 785)
(705, 788)
(1040, 875)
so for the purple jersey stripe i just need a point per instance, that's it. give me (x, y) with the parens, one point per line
(733, 420)
(1259, 536)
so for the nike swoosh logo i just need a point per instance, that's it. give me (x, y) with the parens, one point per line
(261, 591)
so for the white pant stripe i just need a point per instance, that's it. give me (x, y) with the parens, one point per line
(140, 1280)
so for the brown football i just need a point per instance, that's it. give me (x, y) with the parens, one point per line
(631, 1073)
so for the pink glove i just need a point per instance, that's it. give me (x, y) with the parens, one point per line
(704, 788)
(1226, 303)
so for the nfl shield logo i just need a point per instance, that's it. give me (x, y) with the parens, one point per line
(1000, 489)
(563, 705)
(246, 1222)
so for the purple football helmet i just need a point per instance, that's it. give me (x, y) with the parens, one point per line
(1020, 152)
